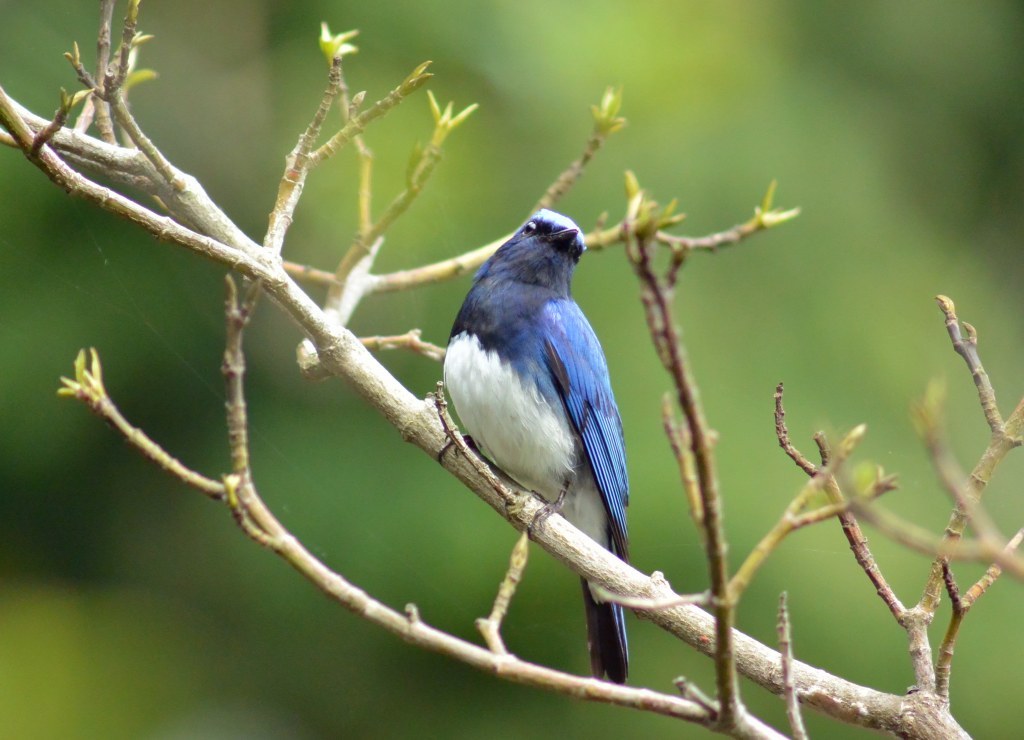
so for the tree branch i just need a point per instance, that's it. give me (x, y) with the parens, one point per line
(205, 230)
(1005, 436)
(851, 528)
(796, 721)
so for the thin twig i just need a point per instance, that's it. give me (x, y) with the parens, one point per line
(104, 124)
(243, 499)
(764, 218)
(647, 605)
(490, 627)
(927, 415)
(355, 125)
(467, 262)
(978, 589)
(606, 122)
(60, 117)
(298, 164)
(961, 605)
(352, 279)
(944, 662)
(678, 438)
(791, 519)
(657, 300)
(919, 539)
(114, 75)
(128, 124)
(74, 57)
(692, 692)
(968, 349)
(734, 235)
(1005, 436)
(640, 228)
(436, 272)
(88, 387)
(570, 175)
(237, 314)
(796, 721)
(411, 340)
(308, 274)
(782, 434)
(455, 439)
(855, 536)
(372, 232)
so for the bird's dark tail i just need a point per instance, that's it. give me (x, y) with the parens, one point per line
(606, 638)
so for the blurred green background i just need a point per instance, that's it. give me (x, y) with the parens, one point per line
(132, 607)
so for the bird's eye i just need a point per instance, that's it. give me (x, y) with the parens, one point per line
(530, 227)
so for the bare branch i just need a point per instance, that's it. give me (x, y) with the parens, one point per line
(927, 415)
(961, 605)
(436, 272)
(796, 721)
(941, 548)
(60, 117)
(1005, 436)
(782, 434)
(102, 109)
(601, 238)
(644, 604)
(115, 74)
(297, 164)
(968, 349)
(490, 627)
(855, 536)
(411, 340)
(679, 440)
(191, 206)
(308, 274)
(993, 572)
(791, 518)
(606, 122)
(765, 217)
(357, 124)
(88, 387)
(260, 525)
(656, 295)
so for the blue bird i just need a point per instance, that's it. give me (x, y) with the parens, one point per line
(530, 383)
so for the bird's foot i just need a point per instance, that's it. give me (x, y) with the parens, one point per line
(553, 507)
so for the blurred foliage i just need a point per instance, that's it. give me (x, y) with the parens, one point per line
(130, 607)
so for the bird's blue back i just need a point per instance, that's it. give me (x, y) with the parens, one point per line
(580, 374)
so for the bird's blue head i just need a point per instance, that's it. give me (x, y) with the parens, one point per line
(543, 251)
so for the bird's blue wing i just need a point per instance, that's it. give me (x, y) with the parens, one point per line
(580, 375)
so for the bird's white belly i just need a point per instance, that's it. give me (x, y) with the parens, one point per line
(517, 428)
(511, 422)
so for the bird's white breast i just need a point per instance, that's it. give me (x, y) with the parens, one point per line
(511, 422)
(517, 428)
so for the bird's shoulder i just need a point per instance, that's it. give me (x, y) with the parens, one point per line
(572, 337)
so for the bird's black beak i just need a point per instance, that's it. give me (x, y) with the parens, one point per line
(564, 235)
(572, 241)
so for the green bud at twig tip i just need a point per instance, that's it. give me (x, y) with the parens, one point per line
(606, 112)
(336, 45)
(444, 120)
